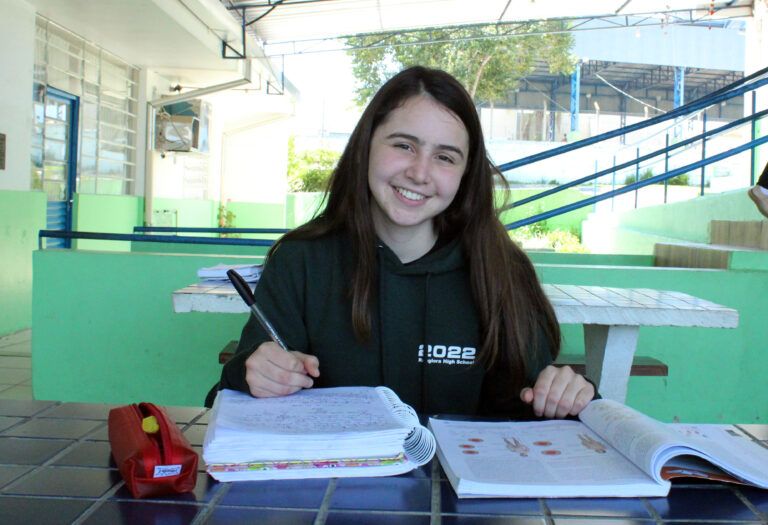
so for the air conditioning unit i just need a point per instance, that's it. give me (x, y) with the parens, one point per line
(183, 127)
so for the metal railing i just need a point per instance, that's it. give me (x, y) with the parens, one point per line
(747, 84)
(135, 237)
(173, 229)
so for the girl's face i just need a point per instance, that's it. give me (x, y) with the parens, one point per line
(417, 158)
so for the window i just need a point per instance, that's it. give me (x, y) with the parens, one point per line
(108, 92)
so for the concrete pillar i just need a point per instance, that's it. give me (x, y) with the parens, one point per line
(575, 87)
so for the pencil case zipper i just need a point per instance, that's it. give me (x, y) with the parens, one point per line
(168, 454)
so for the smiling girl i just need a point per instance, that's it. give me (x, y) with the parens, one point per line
(407, 278)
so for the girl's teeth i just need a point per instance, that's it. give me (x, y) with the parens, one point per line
(410, 195)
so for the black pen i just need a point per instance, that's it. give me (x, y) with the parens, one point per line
(245, 292)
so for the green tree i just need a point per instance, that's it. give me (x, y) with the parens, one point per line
(310, 170)
(488, 60)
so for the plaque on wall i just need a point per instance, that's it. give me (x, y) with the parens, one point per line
(2, 151)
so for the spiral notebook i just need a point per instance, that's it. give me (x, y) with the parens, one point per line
(314, 433)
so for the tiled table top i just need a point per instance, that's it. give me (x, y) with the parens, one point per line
(636, 306)
(572, 304)
(55, 467)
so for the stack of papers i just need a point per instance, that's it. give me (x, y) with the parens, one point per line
(314, 433)
(249, 272)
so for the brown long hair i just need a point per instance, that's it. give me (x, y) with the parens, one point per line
(513, 309)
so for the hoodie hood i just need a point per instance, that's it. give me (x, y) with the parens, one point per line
(446, 258)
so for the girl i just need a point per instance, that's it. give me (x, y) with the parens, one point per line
(407, 278)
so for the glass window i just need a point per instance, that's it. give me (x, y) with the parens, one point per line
(107, 88)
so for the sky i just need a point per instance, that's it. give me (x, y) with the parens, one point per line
(326, 84)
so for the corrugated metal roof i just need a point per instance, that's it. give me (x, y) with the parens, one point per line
(295, 20)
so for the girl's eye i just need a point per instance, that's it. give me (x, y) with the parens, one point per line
(446, 158)
(403, 146)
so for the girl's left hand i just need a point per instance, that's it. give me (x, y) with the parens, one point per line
(558, 392)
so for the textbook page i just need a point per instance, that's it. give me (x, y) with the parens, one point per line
(313, 411)
(536, 459)
(317, 423)
(725, 446)
(637, 436)
(652, 444)
(314, 433)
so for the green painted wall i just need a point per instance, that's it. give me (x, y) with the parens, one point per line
(568, 222)
(636, 231)
(22, 215)
(106, 214)
(590, 258)
(257, 215)
(117, 339)
(715, 375)
(188, 213)
(105, 330)
(210, 249)
(300, 208)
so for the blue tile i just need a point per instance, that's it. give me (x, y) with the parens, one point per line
(195, 434)
(204, 419)
(200, 460)
(183, 415)
(205, 489)
(8, 422)
(356, 518)
(141, 512)
(601, 521)
(237, 516)
(43, 510)
(607, 507)
(10, 473)
(385, 493)
(450, 504)
(29, 451)
(289, 493)
(101, 434)
(491, 520)
(757, 497)
(63, 481)
(88, 454)
(23, 407)
(701, 502)
(81, 411)
(54, 428)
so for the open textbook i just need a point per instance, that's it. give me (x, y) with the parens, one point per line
(615, 451)
(249, 272)
(314, 433)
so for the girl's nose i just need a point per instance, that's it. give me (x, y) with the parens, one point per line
(418, 171)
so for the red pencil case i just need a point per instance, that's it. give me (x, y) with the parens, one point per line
(153, 463)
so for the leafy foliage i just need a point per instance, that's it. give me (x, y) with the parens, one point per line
(226, 219)
(488, 60)
(310, 170)
(535, 237)
(678, 180)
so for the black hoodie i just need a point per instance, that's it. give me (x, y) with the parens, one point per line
(425, 331)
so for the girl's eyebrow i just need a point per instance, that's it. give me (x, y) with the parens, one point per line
(417, 140)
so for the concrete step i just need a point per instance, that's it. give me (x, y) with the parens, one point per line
(693, 255)
(750, 234)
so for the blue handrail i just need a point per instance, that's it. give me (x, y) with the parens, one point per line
(638, 160)
(735, 89)
(57, 234)
(640, 184)
(691, 107)
(173, 229)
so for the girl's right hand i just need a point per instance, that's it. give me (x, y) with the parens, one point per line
(270, 371)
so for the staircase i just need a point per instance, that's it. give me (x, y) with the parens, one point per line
(733, 245)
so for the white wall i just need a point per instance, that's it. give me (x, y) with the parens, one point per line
(17, 42)
(255, 163)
